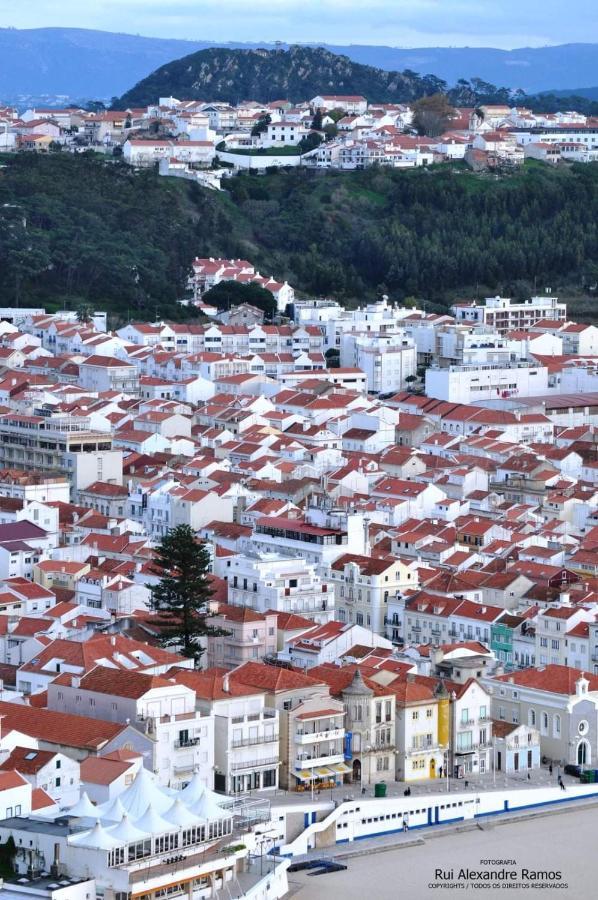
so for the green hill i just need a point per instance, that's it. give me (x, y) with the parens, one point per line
(265, 75)
(77, 228)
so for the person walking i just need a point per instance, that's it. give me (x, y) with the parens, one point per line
(550, 768)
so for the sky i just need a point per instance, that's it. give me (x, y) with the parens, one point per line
(405, 23)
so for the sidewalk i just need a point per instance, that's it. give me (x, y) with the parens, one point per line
(488, 782)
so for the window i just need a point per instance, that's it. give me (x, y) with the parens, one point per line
(531, 718)
(557, 726)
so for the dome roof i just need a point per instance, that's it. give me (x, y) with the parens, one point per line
(358, 686)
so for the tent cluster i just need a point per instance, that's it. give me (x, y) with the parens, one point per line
(145, 813)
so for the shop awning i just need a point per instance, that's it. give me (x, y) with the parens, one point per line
(324, 772)
(304, 775)
(340, 768)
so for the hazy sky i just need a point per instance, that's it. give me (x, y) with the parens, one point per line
(497, 23)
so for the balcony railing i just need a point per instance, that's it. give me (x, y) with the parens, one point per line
(186, 742)
(305, 762)
(305, 737)
(250, 741)
(238, 765)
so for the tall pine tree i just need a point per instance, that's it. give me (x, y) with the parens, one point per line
(181, 597)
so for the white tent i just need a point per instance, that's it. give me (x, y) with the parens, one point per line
(178, 814)
(83, 808)
(97, 839)
(207, 807)
(126, 832)
(193, 791)
(113, 811)
(153, 823)
(143, 791)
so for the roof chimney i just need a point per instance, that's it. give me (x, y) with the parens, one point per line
(225, 684)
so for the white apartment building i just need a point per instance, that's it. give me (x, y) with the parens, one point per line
(59, 443)
(365, 587)
(470, 746)
(106, 373)
(182, 739)
(559, 640)
(471, 384)
(319, 539)
(270, 581)
(463, 345)
(387, 360)
(246, 735)
(504, 314)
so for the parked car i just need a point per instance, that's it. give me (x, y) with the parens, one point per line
(570, 769)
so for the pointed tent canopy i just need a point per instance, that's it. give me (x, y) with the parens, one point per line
(113, 811)
(126, 832)
(143, 791)
(180, 815)
(83, 808)
(207, 807)
(193, 791)
(97, 839)
(153, 823)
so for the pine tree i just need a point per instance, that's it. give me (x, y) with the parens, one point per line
(181, 597)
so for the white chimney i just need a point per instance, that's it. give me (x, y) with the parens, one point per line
(225, 684)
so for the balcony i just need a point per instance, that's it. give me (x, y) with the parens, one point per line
(417, 751)
(307, 737)
(186, 743)
(251, 764)
(305, 762)
(251, 741)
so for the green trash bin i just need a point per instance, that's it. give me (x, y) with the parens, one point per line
(380, 789)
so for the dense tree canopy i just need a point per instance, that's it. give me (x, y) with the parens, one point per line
(91, 232)
(231, 293)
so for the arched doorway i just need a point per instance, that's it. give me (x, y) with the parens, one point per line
(356, 771)
(432, 768)
(583, 754)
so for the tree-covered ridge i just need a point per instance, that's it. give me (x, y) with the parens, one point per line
(76, 229)
(298, 73)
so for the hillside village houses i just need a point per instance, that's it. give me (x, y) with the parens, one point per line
(405, 570)
(192, 139)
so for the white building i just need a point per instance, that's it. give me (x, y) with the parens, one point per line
(246, 731)
(504, 314)
(471, 384)
(270, 581)
(387, 360)
(182, 738)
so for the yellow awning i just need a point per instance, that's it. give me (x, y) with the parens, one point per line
(323, 772)
(340, 768)
(304, 775)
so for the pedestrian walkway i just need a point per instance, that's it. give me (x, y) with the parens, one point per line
(474, 784)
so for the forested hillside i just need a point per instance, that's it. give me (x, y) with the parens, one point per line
(298, 73)
(78, 228)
